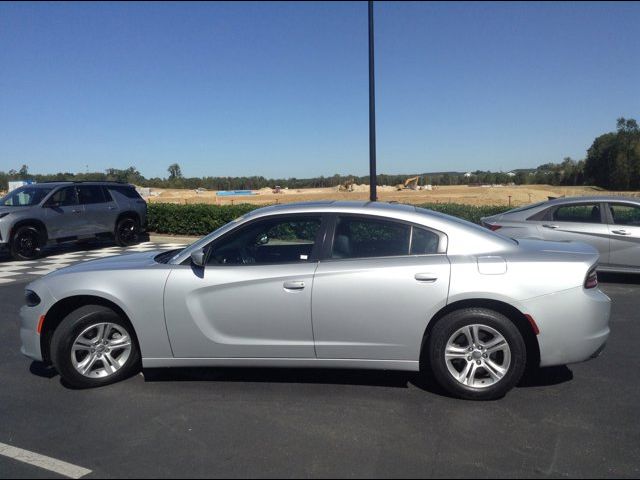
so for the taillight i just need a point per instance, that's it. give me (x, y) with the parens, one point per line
(493, 227)
(592, 279)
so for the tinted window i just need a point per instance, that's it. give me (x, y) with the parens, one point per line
(91, 194)
(583, 213)
(64, 197)
(424, 242)
(358, 237)
(269, 241)
(128, 192)
(625, 214)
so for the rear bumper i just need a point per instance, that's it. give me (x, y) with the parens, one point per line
(574, 325)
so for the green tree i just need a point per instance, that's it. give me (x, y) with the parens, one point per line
(175, 172)
(613, 160)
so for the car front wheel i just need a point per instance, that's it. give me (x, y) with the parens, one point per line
(26, 243)
(94, 346)
(476, 354)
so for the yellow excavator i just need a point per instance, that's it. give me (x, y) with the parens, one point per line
(409, 184)
(347, 186)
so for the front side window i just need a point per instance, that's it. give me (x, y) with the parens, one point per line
(582, 213)
(268, 241)
(25, 197)
(357, 237)
(91, 194)
(64, 197)
(625, 214)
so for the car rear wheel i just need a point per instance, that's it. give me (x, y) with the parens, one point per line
(94, 346)
(26, 243)
(477, 354)
(127, 232)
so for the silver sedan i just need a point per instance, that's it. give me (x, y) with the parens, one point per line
(328, 284)
(609, 224)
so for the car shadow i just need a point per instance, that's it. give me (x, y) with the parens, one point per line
(280, 375)
(41, 369)
(546, 377)
(540, 377)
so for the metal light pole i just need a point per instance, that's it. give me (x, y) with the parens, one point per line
(372, 114)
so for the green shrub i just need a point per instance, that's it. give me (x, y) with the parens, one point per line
(472, 213)
(201, 219)
(198, 219)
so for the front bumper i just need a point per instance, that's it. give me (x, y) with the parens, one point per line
(574, 325)
(29, 319)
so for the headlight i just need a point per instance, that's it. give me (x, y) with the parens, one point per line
(31, 298)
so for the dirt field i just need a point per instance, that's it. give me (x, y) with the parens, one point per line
(493, 195)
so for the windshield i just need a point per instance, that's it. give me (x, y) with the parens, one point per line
(24, 197)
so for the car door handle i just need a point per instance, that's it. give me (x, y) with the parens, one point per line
(112, 208)
(552, 227)
(621, 232)
(426, 277)
(76, 211)
(293, 285)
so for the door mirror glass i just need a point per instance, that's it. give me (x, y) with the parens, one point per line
(262, 239)
(198, 257)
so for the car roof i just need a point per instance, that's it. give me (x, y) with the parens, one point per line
(55, 183)
(594, 198)
(328, 206)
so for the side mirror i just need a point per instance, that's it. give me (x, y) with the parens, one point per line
(262, 239)
(198, 257)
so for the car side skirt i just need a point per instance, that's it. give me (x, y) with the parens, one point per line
(404, 365)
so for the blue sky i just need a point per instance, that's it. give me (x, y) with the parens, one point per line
(280, 89)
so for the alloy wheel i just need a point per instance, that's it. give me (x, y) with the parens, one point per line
(477, 356)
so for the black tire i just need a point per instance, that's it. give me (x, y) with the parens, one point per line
(26, 243)
(444, 330)
(127, 231)
(68, 331)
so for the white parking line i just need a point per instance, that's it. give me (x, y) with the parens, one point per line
(47, 463)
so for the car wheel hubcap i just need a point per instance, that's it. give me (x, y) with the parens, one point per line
(27, 244)
(101, 350)
(128, 231)
(477, 356)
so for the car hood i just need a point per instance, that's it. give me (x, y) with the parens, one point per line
(130, 261)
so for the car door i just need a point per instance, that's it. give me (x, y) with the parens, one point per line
(380, 284)
(64, 216)
(624, 228)
(579, 222)
(100, 209)
(253, 297)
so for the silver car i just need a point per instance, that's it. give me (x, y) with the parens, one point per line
(328, 284)
(609, 224)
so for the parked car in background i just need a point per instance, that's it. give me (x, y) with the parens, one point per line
(34, 215)
(609, 224)
(331, 285)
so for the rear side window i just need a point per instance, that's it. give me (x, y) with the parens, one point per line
(424, 242)
(90, 194)
(625, 214)
(581, 213)
(128, 192)
(360, 238)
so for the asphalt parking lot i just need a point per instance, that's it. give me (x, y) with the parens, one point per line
(576, 421)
